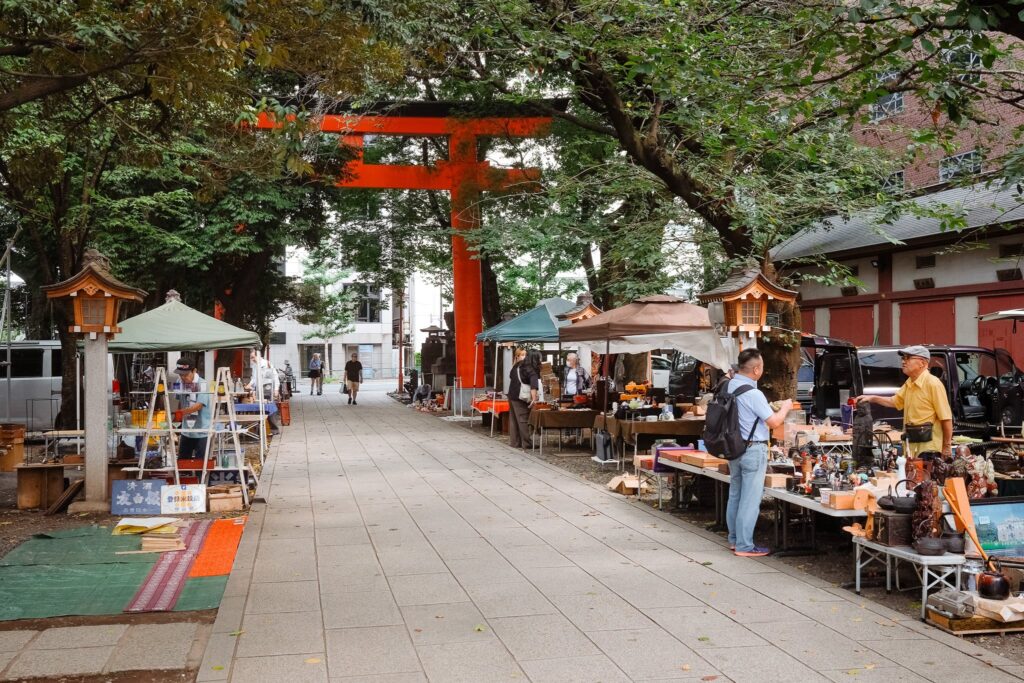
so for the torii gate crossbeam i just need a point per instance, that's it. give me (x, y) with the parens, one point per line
(461, 174)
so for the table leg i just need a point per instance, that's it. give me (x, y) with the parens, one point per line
(888, 573)
(542, 441)
(925, 580)
(776, 517)
(857, 564)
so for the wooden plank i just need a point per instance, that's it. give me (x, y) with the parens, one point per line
(66, 498)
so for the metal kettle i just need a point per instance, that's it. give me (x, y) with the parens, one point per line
(993, 585)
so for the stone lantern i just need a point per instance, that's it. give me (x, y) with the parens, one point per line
(740, 304)
(96, 298)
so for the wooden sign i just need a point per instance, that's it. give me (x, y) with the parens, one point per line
(134, 497)
(182, 499)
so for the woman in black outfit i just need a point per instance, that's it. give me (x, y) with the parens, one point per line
(525, 373)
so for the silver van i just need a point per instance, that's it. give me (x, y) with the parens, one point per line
(35, 383)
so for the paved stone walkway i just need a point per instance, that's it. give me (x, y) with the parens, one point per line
(394, 546)
(102, 649)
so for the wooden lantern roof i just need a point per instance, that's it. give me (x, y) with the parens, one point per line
(96, 294)
(747, 283)
(583, 310)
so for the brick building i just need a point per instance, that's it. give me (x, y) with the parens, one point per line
(919, 282)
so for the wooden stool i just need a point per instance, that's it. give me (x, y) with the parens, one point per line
(39, 485)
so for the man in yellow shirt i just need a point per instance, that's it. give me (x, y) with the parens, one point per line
(923, 399)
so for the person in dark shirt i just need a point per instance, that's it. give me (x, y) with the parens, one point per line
(522, 394)
(353, 376)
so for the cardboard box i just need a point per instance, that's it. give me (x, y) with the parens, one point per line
(723, 467)
(225, 498)
(841, 500)
(625, 484)
(643, 461)
(775, 481)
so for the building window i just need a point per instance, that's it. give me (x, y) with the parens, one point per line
(895, 183)
(889, 104)
(366, 302)
(750, 313)
(925, 261)
(1013, 251)
(966, 61)
(967, 163)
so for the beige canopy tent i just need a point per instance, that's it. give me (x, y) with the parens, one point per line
(653, 322)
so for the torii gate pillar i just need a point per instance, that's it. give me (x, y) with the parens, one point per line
(462, 175)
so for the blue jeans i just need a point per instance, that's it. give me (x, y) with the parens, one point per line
(746, 487)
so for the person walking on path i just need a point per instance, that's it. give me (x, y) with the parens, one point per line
(746, 484)
(523, 387)
(316, 375)
(353, 376)
(924, 402)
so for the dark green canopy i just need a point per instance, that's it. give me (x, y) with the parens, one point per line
(176, 327)
(538, 324)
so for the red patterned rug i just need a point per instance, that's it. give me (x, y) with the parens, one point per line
(160, 591)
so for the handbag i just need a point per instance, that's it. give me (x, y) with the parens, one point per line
(921, 433)
(524, 389)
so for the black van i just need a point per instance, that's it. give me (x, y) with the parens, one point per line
(985, 387)
(836, 374)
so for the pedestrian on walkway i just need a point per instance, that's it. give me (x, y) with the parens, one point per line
(746, 483)
(927, 417)
(523, 387)
(353, 376)
(316, 375)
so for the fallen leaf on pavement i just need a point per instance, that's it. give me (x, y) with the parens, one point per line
(313, 660)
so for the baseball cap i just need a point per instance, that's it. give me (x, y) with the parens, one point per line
(184, 365)
(916, 350)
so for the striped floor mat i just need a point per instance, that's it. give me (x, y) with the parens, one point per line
(160, 591)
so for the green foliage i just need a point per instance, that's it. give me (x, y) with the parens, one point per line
(319, 300)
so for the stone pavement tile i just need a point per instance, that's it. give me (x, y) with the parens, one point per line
(481, 570)
(485, 661)
(856, 621)
(405, 560)
(460, 547)
(643, 589)
(284, 524)
(563, 581)
(291, 559)
(427, 589)
(229, 614)
(535, 556)
(369, 651)
(743, 604)
(346, 555)
(352, 535)
(887, 674)
(601, 612)
(516, 537)
(937, 661)
(287, 596)
(48, 663)
(786, 589)
(818, 646)
(216, 664)
(760, 664)
(238, 583)
(365, 576)
(383, 678)
(702, 627)
(452, 623)
(12, 641)
(154, 646)
(514, 599)
(651, 653)
(280, 634)
(329, 520)
(351, 610)
(542, 636)
(78, 636)
(574, 670)
(724, 562)
(5, 659)
(309, 668)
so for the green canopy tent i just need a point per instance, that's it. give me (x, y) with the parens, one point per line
(176, 327)
(539, 324)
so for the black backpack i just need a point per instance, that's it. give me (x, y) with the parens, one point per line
(722, 436)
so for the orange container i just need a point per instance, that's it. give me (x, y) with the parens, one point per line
(285, 409)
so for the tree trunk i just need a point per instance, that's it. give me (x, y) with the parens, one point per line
(781, 352)
(489, 285)
(68, 351)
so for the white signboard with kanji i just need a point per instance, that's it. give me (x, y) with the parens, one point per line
(182, 499)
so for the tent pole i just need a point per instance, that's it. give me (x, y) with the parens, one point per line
(494, 394)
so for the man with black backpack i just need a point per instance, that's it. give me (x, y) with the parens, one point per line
(737, 427)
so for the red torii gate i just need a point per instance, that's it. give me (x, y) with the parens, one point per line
(461, 174)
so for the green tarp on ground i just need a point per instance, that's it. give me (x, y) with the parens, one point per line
(37, 591)
(204, 592)
(89, 545)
